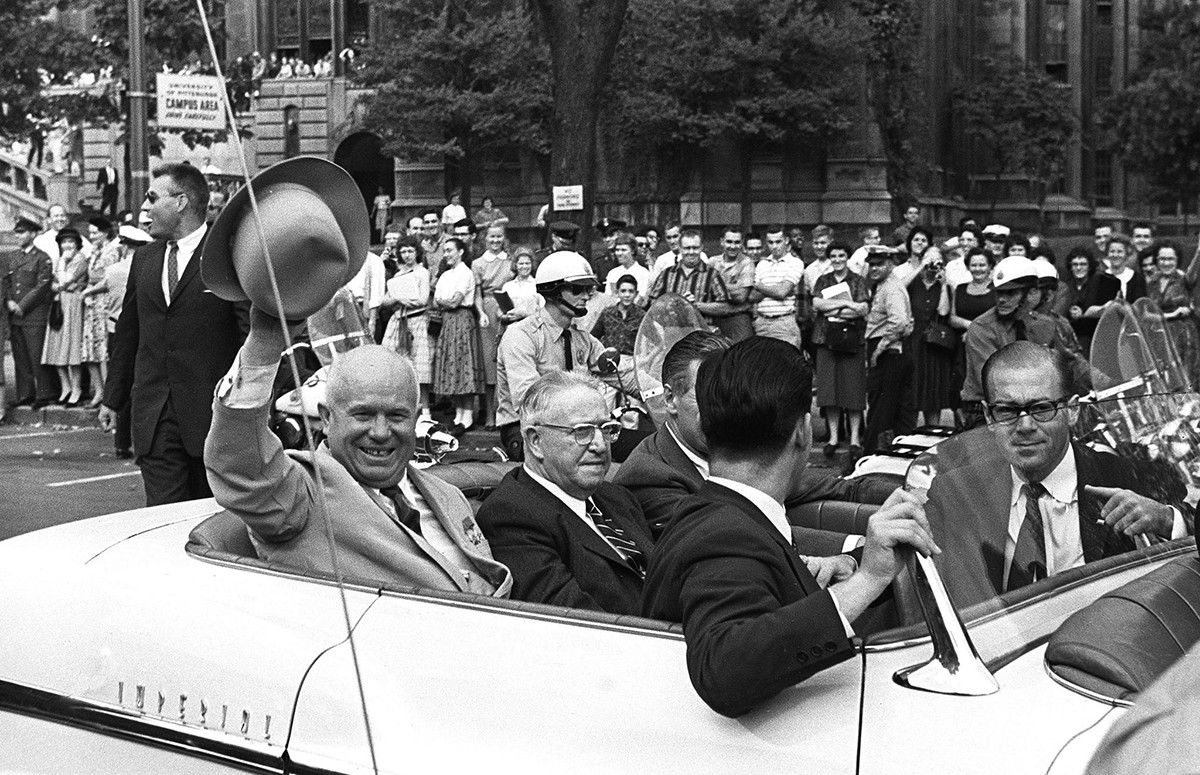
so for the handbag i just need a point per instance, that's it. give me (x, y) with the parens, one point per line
(434, 321)
(845, 336)
(940, 334)
(56, 313)
(404, 338)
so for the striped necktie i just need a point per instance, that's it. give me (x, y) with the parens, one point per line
(1029, 554)
(615, 536)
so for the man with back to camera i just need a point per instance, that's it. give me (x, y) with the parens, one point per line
(672, 463)
(755, 619)
(173, 341)
(1018, 513)
(548, 341)
(570, 538)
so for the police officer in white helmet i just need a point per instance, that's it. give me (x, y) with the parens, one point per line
(546, 341)
(1013, 319)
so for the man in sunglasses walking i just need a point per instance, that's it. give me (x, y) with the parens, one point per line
(1034, 502)
(569, 537)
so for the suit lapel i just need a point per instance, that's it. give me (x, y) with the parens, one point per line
(190, 271)
(579, 530)
(673, 455)
(150, 280)
(752, 512)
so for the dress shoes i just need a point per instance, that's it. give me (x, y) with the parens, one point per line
(124, 454)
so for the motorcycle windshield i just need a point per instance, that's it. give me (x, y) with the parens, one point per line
(1080, 455)
(669, 319)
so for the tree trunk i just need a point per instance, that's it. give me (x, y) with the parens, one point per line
(582, 35)
(746, 173)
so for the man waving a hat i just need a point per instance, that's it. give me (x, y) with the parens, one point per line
(389, 521)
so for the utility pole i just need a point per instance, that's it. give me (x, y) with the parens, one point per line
(139, 118)
(337, 35)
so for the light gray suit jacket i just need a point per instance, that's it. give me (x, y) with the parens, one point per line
(274, 492)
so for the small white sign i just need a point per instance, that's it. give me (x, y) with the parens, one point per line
(190, 101)
(568, 198)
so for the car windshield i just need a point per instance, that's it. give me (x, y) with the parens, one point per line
(1112, 478)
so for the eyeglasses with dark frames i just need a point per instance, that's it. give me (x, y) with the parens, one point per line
(1041, 411)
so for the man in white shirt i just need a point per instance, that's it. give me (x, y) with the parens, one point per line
(570, 538)
(1035, 503)
(777, 280)
(47, 241)
(757, 615)
(623, 250)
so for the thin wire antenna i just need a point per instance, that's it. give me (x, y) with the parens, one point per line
(295, 369)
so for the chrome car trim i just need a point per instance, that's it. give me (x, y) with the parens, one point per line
(1068, 580)
(955, 667)
(114, 721)
(1091, 695)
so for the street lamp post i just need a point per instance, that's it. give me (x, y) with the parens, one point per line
(138, 120)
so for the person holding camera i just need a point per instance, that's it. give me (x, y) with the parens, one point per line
(932, 342)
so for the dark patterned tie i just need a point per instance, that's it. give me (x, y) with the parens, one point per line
(1029, 555)
(615, 536)
(172, 268)
(408, 516)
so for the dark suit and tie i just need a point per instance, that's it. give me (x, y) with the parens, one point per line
(749, 640)
(166, 361)
(106, 184)
(969, 510)
(556, 557)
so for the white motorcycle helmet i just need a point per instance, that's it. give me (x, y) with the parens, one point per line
(1014, 273)
(562, 269)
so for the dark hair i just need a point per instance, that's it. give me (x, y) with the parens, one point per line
(731, 230)
(462, 246)
(1025, 355)
(1122, 239)
(1086, 252)
(627, 279)
(752, 396)
(24, 224)
(839, 245)
(690, 234)
(917, 230)
(694, 347)
(1017, 238)
(68, 234)
(974, 231)
(978, 251)
(624, 238)
(434, 213)
(774, 228)
(751, 235)
(674, 223)
(101, 223)
(1044, 251)
(411, 241)
(1156, 247)
(967, 223)
(1142, 225)
(468, 223)
(191, 180)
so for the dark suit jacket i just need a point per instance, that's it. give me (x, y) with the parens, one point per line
(553, 555)
(27, 277)
(659, 475)
(177, 352)
(102, 179)
(968, 512)
(754, 618)
(1136, 288)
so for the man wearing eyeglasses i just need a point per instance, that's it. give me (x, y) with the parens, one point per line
(569, 537)
(1036, 503)
(173, 341)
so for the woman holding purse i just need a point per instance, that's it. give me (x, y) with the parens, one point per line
(408, 329)
(63, 346)
(841, 371)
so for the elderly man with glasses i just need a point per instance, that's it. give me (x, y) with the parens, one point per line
(569, 537)
(1033, 501)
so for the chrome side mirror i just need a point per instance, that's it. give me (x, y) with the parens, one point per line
(955, 667)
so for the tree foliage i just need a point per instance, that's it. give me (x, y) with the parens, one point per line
(1153, 124)
(454, 81)
(891, 51)
(689, 74)
(1021, 116)
(35, 53)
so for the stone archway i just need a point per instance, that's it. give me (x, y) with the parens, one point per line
(361, 154)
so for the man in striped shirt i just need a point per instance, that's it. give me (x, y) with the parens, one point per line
(694, 280)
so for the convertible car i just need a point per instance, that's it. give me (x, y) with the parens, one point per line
(155, 641)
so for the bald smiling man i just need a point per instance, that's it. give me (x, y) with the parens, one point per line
(391, 522)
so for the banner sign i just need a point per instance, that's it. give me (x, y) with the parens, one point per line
(568, 198)
(190, 101)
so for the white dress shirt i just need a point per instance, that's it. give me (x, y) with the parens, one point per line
(1060, 518)
(578, 507)
(775, 513)
(187, 247)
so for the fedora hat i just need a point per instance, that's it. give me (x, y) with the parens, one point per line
(317, 233)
